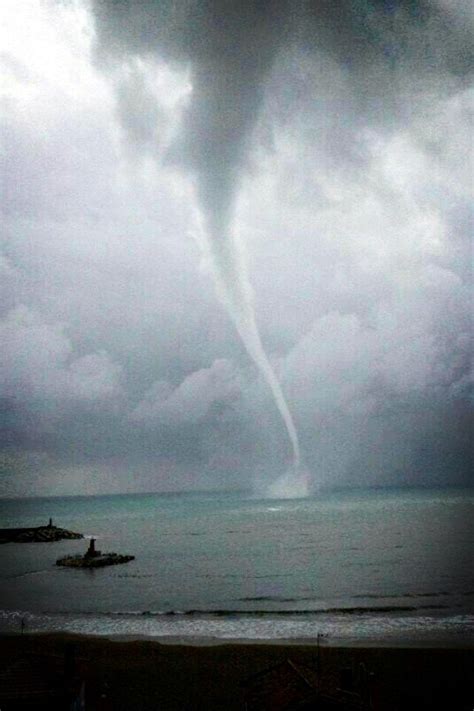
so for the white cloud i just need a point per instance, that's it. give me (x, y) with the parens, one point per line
(403, 347)
(193, 400)
(38, 363)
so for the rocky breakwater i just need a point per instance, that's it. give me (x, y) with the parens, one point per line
(93, 558)
(37, 534)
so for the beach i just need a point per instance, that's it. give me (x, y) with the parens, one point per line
(144, 674)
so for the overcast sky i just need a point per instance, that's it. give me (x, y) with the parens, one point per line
(332, 142)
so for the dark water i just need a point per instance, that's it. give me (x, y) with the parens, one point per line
(353, 565)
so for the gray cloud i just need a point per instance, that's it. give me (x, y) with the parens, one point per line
(201, 394)
(37, 363)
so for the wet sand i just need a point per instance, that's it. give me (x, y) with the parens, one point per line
(146, 674)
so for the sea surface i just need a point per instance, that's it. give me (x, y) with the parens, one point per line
(386, 565)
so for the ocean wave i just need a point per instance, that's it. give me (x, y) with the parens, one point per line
(233, 612)
(27, 573)
(400, 596)
(372, 596)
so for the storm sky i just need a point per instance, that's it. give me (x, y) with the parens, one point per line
(331, 144)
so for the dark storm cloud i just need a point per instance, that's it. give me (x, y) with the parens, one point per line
(230, 47)
(334, 69)
(397, 34)
(380, 46)
(381, 54)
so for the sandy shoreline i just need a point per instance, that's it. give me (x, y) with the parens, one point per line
(451, 642)
(147, 674)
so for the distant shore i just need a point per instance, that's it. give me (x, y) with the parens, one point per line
(210, 674)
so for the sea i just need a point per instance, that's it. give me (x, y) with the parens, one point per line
(361, 566)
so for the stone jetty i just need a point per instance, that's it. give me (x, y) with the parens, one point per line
(93, 558)
(37, 534)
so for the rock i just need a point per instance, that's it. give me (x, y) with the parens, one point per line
(97, 561)
(38, 534)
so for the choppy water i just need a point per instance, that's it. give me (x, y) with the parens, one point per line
(354, 566)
